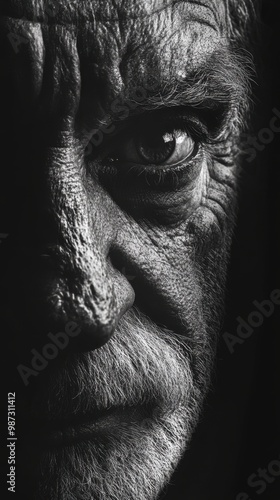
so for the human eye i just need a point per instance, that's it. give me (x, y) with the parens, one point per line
(157, 148)
(158, 151)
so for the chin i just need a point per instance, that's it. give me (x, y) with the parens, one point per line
(133, 459)
(113, 423)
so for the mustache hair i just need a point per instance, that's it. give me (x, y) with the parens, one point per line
(142, 364)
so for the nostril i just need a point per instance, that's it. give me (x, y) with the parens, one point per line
(91, 335)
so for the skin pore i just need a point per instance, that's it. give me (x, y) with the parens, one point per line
(161, 95)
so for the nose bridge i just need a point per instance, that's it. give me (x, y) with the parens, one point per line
(72, 278)
(65, 195)
(84, 238)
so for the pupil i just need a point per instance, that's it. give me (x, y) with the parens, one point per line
(156, 148)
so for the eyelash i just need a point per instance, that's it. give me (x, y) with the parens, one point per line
(158, 174)
(162, 172)
(160, 177)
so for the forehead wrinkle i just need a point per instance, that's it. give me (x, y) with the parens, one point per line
(79, 12)
(98, 49)
(177, 39)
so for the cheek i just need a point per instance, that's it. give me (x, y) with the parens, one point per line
(206, 234)
(206, 229)
(210, 228)
(210, 238)
(201, 249)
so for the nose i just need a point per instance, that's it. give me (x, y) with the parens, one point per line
(70, 224)
(57, 267)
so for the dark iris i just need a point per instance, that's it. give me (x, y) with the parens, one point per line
(155, 148)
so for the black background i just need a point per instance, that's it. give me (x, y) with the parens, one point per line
(239, 431)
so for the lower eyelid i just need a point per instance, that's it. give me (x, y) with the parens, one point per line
(169, 167)
(137, 177)
(153, 169)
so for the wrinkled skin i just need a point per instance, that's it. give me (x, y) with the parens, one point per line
(90, 239)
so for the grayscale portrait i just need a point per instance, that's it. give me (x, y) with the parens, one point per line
(138, 294)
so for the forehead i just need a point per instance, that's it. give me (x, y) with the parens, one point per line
(75, 11)
(120, 39)
(156, 24)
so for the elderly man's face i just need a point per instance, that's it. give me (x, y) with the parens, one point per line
(120, 205)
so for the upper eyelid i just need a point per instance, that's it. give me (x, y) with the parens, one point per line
(166, 116)
(129, 127)
(189, 120)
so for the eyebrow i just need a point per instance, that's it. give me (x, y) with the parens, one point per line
(220, 85)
